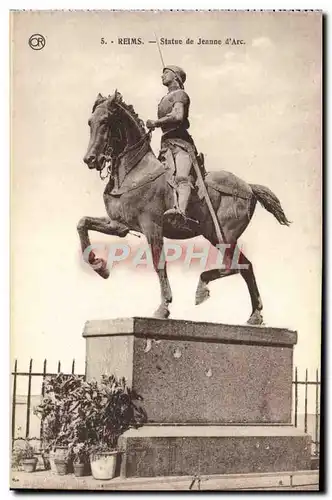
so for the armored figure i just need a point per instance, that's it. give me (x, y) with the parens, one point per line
(176, 143)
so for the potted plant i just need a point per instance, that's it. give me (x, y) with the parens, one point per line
(61, 463)
(109, 413)
(56, 412)
(103, 461)
(79, 454)
(76, 412)
(25, 456)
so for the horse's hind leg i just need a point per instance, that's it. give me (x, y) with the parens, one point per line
(248, 275)
(203, 292)
(231, 267)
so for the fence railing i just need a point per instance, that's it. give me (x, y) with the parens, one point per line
(305, 390)
(30, 375)
(305, 393)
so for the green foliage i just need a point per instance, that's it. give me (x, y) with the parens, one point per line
(80, 452)
(21, 453)
(75, 411)
(57, 407)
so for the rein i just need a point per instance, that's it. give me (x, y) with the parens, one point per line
(109, 161)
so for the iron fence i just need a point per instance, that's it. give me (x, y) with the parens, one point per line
(30, 374)
(303, 391)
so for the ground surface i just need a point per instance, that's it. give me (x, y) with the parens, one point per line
(303, 480)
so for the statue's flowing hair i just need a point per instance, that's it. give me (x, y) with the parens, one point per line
(126, 108)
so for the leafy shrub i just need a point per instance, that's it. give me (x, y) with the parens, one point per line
(80, 452)
(21, 453)
(75, 411)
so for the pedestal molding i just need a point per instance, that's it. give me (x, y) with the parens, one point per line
(160, 329)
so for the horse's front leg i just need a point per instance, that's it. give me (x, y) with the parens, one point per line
(154, 235)
(159, 264)
(101, 225)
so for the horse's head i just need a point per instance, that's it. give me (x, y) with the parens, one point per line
(100, 124)
(113, 126)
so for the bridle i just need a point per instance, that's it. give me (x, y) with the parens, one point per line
(107, 162)
(110, 160)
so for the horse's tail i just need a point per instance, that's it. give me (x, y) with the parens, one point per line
(270, 202)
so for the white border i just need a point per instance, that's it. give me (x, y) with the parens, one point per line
(325, 6)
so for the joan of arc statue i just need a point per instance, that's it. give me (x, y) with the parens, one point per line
(173, 112)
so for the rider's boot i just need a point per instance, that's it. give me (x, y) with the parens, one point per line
(183, 192)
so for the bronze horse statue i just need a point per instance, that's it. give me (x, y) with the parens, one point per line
(139, 191)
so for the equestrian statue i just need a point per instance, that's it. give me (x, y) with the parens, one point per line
(170, 196)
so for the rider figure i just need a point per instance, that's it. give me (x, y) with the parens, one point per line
(173, 120)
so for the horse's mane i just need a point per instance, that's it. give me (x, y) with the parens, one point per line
(129, 108)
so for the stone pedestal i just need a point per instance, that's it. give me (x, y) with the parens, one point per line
(218, 397)
(188, 450)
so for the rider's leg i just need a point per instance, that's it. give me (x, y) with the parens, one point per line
(183, 166)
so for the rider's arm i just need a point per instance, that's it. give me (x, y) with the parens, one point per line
(175, 117)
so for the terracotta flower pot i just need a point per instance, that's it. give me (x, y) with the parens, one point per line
(46, 461)
(60, 451)
(61, 465)
(79, 470)
(103, 464)
(29, 464)
(51, 458)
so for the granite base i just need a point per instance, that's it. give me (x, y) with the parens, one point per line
(153, 451)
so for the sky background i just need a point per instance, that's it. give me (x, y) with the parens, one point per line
(255, 111)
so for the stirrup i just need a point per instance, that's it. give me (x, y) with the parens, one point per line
(177, 211)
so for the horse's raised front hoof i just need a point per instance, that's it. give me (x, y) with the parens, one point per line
(255, 319)
(100, 266)
(162, 312)
(202, 293)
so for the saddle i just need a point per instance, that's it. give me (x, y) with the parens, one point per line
(228, 184)
(222, 181)
(150, 169)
